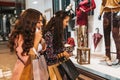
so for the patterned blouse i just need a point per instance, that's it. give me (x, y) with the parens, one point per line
(51, 54)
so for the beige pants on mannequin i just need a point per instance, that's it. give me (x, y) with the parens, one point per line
(82, 39)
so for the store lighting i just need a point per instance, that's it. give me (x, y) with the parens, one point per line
(35, 2)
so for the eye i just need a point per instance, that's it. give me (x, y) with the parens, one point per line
(40, 21)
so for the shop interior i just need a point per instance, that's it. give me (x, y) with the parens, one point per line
(9, 11)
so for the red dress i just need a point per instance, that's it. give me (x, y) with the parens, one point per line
(82, 16)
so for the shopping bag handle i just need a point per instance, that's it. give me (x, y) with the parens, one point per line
(34, 50)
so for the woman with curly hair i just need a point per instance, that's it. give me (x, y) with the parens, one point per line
(54, 37)
(25, 36)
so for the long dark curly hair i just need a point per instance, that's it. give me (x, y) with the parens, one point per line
(55, 25)
(25, 26)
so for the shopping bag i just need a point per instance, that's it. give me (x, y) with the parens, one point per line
(54, 72)
(63, 73)
(70, 69)
(27, 71)
(40, 71)
(43, 65)
(36, 69)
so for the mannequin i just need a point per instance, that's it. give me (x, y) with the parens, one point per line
(111, 21)
(109, 6)
(82, 21)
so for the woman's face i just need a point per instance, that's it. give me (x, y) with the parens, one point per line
(40, 23)
(66, 21)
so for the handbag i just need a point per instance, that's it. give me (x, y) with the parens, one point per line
(54, 72)
(70, 69)
(40, 71)
(63, 73)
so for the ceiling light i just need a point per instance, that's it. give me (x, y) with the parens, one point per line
(35, 2)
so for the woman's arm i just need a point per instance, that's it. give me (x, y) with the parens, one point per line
(92, 6)
(44, 45)
(49, 42)
(37, 39)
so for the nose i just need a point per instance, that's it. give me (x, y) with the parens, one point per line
(41, 24)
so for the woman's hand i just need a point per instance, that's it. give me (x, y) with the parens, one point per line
(66, 54)
(32, 53)
(43, 44)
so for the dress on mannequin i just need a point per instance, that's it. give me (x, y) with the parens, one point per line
(82, 21)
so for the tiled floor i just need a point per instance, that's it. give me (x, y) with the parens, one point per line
(7, 59)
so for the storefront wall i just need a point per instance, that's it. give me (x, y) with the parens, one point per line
(46, 8)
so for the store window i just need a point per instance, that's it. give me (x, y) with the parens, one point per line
(55, 6)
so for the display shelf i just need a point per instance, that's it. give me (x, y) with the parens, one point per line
(98, 68)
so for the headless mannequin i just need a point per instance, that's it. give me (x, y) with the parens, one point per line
(82, 10)
(111, 23)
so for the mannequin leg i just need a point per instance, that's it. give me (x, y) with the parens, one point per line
(107, 30)
(85, 36)
(82, 37)
(116, 37)
(79, 36)
(107, 42)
